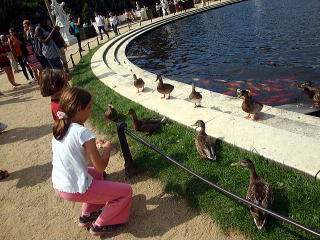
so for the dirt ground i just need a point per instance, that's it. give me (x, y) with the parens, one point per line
(29, 207)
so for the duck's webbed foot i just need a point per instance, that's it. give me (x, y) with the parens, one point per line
(248, 116)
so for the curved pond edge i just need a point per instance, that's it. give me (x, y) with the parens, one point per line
(289, 138)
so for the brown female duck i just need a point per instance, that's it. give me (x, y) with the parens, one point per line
(111, 113)
(195, 96)
(146, 125)
(249, 105)
(312, 92)
(138, 82)
(164, 88)
(204, 142)
(258, 192)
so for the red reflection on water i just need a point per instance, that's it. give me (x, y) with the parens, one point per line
(277, 89)
(234, 84)
(229, 93)
(206, 81)
(283, 100)
(254, 88)
(282, 95)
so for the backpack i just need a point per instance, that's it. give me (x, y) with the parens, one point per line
(71, 30)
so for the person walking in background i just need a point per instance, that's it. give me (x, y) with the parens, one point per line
(37, 47)
(61, 44)
(100, 23)
(128, 17)
(26, 24)
(4, 40)
(75, 25)
(30, 57)
(49, 48)
(114, 23)
(176, 5)
(158, 10)
(15, 46)
(105, 203)
(6, 66)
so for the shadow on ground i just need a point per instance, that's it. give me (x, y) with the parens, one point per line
(31, 176)
(24, 133)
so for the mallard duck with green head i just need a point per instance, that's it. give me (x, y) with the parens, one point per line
(138, 82)
(195, 96)
(249, 105)
(204, 143)
(111, 113)
(146, 125)
(258, 192)
(164, 88)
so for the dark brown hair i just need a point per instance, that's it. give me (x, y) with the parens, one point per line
(52, 81)
(70, 100)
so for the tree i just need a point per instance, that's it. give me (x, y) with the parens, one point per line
(87, 13)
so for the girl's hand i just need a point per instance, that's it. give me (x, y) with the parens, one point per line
(107, 145)
(104, 144)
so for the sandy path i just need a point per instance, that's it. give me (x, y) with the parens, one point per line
(30, 209)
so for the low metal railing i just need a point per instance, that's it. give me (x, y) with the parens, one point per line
(130, 169)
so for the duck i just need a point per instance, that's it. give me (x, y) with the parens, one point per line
(203, 142)
(146, 125)
(111, 113)
(258, 192)
(138, 82)
(249, 105)
(164, 88)
(195, 96)
(312, 92)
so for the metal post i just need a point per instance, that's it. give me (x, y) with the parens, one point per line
(128, 162)
(98, 41)
(89, 46)
(140, 22)
(80, 53)
(72, 60)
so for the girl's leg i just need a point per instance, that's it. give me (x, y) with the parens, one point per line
(36, 75)
(23, 67)
(10, 76)
(30, 70)
(117, 199)
(113, 196)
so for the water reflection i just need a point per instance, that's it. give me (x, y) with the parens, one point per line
(267, 46)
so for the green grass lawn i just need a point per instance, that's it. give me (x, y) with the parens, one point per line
(294, 196)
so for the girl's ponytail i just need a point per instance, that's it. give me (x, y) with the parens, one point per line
(60, 128)
(71, 100)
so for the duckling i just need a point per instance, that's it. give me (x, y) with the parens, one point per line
(249, 105)
(111, 113)
(146, 125)
(137, 82)
(258, 192)
(204, 142)
(195, 96)
(312, 92)
(164, 88)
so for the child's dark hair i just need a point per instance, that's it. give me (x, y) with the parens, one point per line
(70, 100)
(52, 81)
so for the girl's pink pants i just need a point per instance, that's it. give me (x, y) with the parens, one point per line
(113, 197)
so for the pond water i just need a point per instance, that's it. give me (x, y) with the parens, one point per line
(268, 46)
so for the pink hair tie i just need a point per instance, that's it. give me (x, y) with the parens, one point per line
(62, 115)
